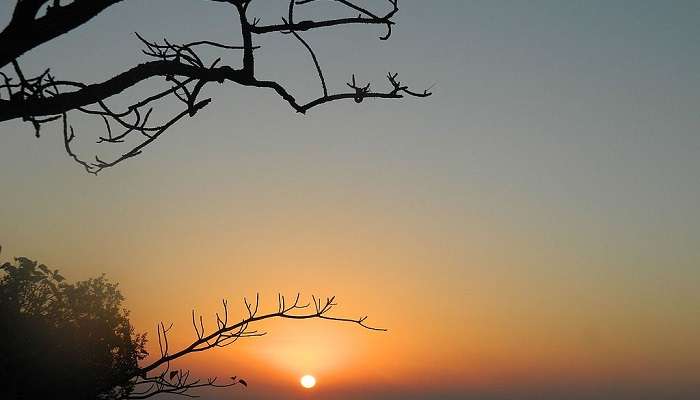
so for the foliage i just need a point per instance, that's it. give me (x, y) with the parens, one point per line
(64, 340)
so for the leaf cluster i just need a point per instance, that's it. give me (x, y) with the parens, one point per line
(61, 339)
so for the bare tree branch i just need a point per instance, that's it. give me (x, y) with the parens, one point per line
(42, 99)
(158, 377)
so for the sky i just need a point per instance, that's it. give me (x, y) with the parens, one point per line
(531, 231)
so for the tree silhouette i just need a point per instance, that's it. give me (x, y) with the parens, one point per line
(44, 98)
(74, 341)
(63, 340)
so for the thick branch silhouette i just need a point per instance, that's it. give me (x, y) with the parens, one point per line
(25, 31)
(44, 98)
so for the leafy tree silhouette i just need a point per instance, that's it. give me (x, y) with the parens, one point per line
(64, 340)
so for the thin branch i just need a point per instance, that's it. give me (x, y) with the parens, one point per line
(178, 382)
(227, 332)
(310, 50)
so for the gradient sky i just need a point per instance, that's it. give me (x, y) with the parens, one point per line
(530, 232)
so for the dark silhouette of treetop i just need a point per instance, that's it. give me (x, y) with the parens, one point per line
(64, 340)
(45, 98)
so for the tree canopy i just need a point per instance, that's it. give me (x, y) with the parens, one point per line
(64, 340)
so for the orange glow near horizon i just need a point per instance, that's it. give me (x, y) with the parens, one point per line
(470, 322)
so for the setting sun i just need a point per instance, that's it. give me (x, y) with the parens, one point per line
(308, 381)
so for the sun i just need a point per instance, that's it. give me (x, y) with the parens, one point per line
(308, 381)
